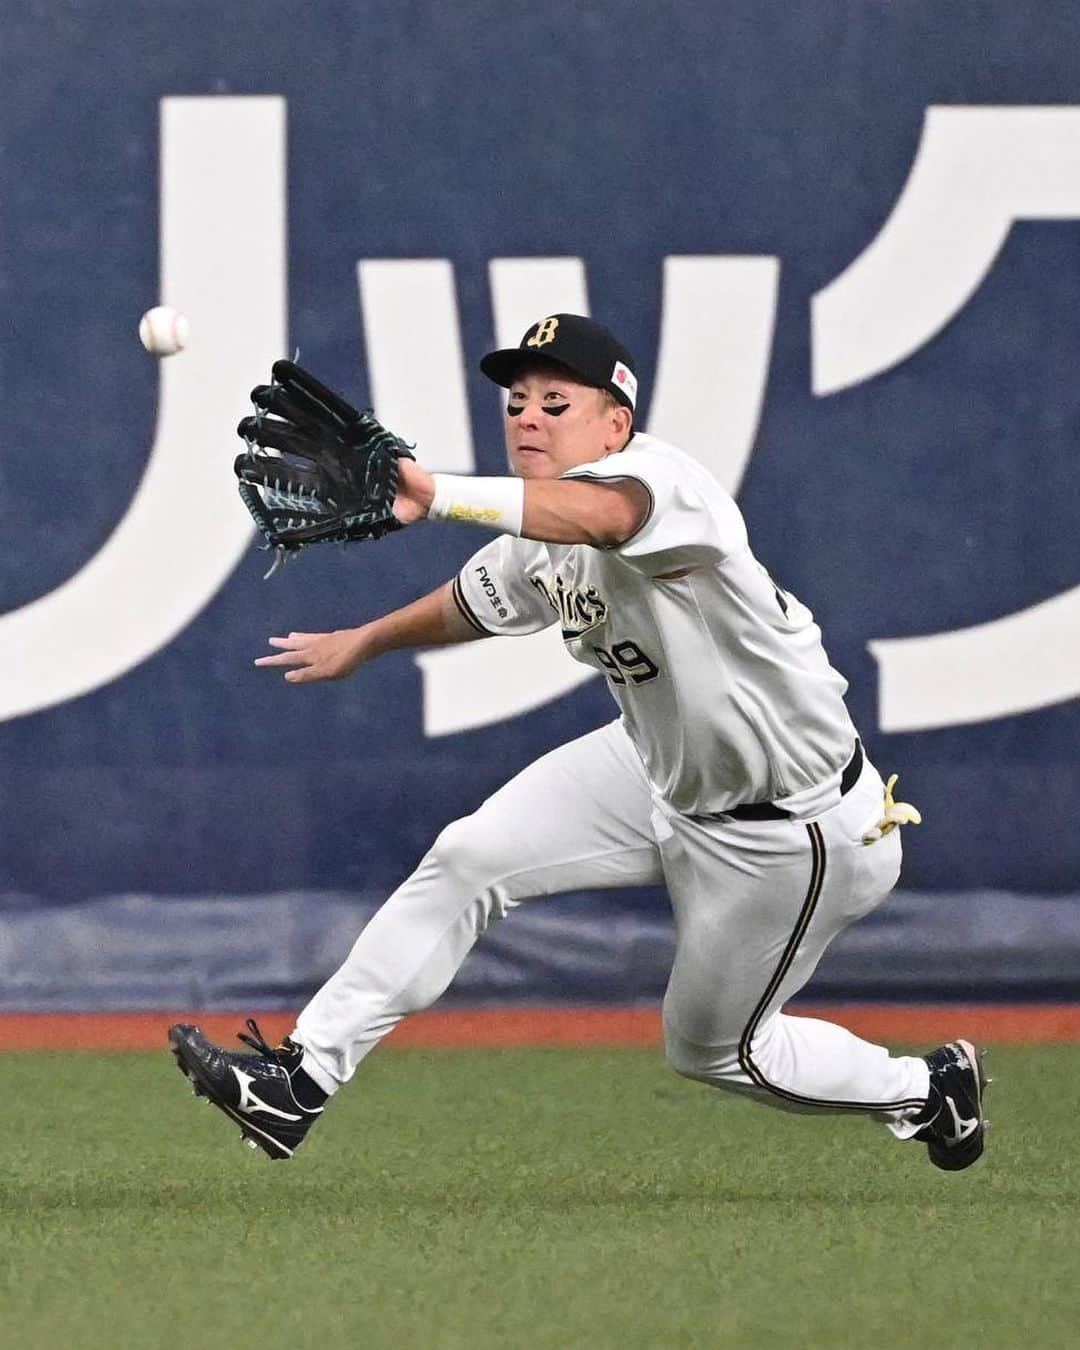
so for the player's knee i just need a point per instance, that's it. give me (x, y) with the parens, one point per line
(466, 851)
(684, 1060)
(704, 1063)
(687, 1059)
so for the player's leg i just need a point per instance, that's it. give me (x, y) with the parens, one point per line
(578, 818)
(756, 905)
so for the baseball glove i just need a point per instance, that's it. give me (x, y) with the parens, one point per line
(315, 470)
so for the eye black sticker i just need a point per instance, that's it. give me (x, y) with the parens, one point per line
(516, 409)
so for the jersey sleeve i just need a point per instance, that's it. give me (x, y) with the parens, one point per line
(494, 591)
(691, 520)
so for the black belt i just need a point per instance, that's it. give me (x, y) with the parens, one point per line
(767, 811)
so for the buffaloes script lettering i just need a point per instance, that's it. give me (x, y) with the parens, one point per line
(545, 333)
(579, 608)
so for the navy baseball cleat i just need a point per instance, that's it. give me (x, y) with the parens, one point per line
(256, 1091)
(955, 1128)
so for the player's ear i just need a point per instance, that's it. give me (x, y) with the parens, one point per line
(620, 420)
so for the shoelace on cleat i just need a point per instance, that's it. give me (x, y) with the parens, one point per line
(256, 1040)
(261, 1045)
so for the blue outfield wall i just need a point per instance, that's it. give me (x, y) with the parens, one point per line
(133, 953)
(842, 239)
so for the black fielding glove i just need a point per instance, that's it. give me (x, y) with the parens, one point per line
(315, 469)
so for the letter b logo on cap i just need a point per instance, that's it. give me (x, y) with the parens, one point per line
(545, 333)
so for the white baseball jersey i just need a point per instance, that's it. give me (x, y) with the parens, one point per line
(727, 699)
(724, 687)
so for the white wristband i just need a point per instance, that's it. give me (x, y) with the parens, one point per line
(496, 503)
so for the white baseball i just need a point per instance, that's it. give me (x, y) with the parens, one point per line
(163, 331)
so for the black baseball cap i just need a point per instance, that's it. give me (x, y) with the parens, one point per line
(582, 345)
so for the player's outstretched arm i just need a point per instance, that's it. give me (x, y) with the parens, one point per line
(433, 620)
(565, 511)
(557, 511)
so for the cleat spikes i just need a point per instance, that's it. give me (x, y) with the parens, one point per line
(251, 1143)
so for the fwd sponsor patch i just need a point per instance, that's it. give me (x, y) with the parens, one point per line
(501, 607)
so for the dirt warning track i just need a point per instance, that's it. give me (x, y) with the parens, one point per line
(485, 1028)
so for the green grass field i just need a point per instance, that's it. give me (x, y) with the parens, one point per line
(527, 1198)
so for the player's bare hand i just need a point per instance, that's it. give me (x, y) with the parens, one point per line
(317, 656)
(415, 493)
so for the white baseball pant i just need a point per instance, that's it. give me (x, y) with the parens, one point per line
(755, 904)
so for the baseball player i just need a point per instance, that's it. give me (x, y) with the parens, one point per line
(733, 774)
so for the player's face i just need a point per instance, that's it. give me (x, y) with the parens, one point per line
(554, 423)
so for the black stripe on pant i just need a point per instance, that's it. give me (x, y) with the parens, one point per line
(802, 923)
